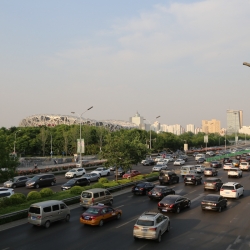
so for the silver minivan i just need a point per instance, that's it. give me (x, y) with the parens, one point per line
(94, 196)
(46, 212)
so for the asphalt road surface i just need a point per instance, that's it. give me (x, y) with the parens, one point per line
(191, 229)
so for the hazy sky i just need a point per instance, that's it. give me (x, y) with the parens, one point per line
(181, 60)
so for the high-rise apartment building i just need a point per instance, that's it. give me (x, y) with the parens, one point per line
(190, 128)
(234, 121)
(212, 126)
(138, 120)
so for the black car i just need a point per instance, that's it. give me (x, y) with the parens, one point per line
(213, 183)
(142, 188)
(213, 202)
(194, 179)
(148, 162)
(158, 192)
(215, 164)
(41, 180)
(201, 160)
(168, 177)
(173, 203)
(82, 181)
(238, 157)
(18, 181)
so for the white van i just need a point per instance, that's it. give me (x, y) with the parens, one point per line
(199, 156)
(187, 170)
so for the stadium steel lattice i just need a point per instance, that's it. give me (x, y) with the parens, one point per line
(54, 120)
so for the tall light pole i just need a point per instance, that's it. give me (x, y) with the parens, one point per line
(80, 158)
(14, 151)
(150, 144)
(235, 113)
(225, 139)
(51, 151)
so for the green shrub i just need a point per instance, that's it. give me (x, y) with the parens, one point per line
(110, 184)
(124, 181)
(97, 185)
(76, 190)
(103, 180)
(46, 192)
(4, 202)
(33, 195)
(17, 198)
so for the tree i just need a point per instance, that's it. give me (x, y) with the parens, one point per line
(43, 138)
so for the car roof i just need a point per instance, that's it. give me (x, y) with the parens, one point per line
(230, 183)
(150, 215)
(212, 178)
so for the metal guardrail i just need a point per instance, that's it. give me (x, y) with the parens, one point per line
(23, 213)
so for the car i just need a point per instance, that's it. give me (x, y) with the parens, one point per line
(210, 153)
(158, 158)
(234, 172)
(120, 172)
(248, 158)
(159, 166)
(92, 176)
(41, 180)
(158, 192)
(112, 168)
(201, 160)
(213, 183)
(99, 214)
(82, 181)
(236, 163)
(102, 171)
(174, 203)
(242, 159)
(213, 202)
(142, 188)
(179, 162)
(169, 158)
(228, 165)
(75, 172)
(18, 181)
(199, 169)
(147, 162)
(226, 160)
(168, 177)
(151, 225)
(210, 171)
(194, 179)
(244, 166)
(232, 190)
(6, 192)
(215, 164)
(130, 174)
(184, 157)
(238, 157)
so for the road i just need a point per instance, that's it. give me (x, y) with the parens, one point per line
(191, 229)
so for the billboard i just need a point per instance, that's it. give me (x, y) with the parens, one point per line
(80, 146)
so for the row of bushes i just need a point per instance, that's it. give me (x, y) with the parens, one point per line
(18, 199)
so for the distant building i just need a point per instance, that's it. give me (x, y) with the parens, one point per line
(197, 130)
(190, 128)
(138, 120)
(234, 121)
(212, 126)
(245, 130)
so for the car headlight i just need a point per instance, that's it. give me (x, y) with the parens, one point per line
(31, 183)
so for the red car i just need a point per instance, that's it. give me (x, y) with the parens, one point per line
(131, 173)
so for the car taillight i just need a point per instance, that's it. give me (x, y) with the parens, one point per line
(136, 228)
(221, 189)
(153, 228)
(233, 190)
(29, 214)
(149, 192)
(159, 204)
(39, 217)
(204, 183)
(141, 189)
(214, 183)
(171, 206)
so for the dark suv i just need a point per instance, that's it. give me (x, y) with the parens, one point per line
(227, 160)
(168, 177)
(194, 179)
(213, 183)
(82, 181)
(120, 172)
(41, 180)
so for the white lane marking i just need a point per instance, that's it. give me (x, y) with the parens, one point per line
(120, 206)
(198, 197)
(192, 192)
(130, 196)
(178, 191)
(135, 218)
(142, 247)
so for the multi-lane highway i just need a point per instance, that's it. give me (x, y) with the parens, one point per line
(191, 229)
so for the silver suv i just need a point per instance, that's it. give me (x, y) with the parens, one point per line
(6, 192)
(151, 225)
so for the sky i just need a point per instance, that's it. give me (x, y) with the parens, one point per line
(180, 59)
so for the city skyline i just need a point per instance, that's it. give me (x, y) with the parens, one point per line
(167, 58)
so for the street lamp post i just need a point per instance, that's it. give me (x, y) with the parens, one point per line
(235, 113)
(225, 139)
(51, 151)
(80, 158)
(14, 151)
(150, 143)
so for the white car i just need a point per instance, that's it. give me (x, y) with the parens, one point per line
(75, 172)
(232, 190)
(151, 225)
(228, 166)
(165, 161)
(159, 166)
(234, 172)
(179, 162)
(210, 153)
(169, 158)
(102, 171)
(244, 166)
(6, 192)
(158, 158)
(199, 169)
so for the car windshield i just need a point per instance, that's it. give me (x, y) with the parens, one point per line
(99, 169)
(157, 189)
(169, 200)
(35, 178)
(87, 175)
(145, 222)
(234, 170)
(86, 195)
(92, 210)
(34, 210)
(211, 198)
(208, 169)
(228, 187)
(70, 182)
(72, 170)
(140, 185)
(210, 181)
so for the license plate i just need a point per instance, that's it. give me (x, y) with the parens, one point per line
(144, 230)
(86, 217)
(189, 179)
(227, 192)
(33, 218)
(208, 208)
(153, 194)
(164, 210)
(136, 188)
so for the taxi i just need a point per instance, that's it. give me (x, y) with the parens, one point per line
(99, 214)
